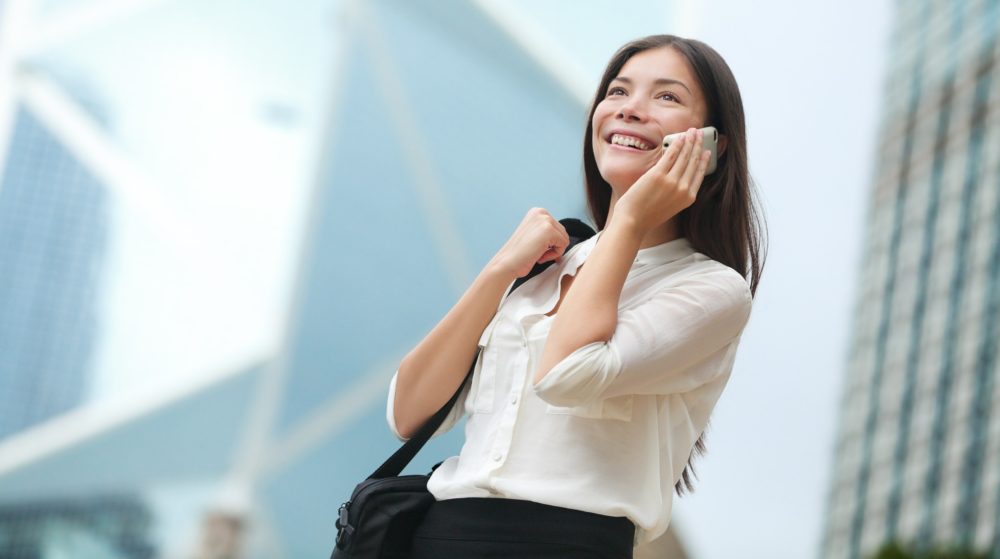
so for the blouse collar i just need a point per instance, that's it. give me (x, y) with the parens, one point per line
(663, 253)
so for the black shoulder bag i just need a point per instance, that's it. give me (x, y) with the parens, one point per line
(384, 510)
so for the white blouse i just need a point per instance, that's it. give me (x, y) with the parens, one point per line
(609, 429)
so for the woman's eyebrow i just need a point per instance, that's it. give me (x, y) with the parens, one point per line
(659, 81)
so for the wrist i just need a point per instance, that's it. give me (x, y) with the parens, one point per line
(627, 225)
(495, 270)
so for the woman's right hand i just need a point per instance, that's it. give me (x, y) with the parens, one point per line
(538, 239)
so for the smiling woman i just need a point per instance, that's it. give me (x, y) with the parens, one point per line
(678, 83)
(595, 383)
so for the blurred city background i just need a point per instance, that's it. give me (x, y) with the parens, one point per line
(222, 224)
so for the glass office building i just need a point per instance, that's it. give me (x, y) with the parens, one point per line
(96, 528)
(917, 456)
(293, 196)
(53, 229)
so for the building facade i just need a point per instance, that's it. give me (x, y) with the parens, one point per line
(917, 457)
(53, 234)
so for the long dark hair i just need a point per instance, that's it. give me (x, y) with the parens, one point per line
(724, 222)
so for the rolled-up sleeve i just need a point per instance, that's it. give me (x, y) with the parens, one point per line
(453, 417)
(668, 344)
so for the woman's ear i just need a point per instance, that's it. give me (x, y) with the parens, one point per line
(721, 145)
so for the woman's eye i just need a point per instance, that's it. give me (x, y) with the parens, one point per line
(620, 91)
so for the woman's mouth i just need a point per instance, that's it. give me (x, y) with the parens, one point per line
(629, 143)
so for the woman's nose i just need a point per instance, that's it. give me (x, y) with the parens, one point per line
(631, 110)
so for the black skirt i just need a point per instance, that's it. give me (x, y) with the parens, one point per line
(495, 528)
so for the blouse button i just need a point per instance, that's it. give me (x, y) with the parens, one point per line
(497, 456)
(513, 399)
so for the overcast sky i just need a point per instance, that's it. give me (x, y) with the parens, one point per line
(811, 79)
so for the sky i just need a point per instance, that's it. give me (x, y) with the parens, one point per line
(811, 80)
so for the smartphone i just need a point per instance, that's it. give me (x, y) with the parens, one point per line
(710, 137)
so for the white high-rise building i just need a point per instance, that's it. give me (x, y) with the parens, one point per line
(917, 456)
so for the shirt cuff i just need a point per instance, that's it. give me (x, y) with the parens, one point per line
(389, 415)
(581, 377)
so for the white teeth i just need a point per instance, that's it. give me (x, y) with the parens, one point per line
(629, 141)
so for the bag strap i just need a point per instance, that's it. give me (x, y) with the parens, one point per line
(578, 232)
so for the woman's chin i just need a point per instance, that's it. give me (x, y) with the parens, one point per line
(621, 181)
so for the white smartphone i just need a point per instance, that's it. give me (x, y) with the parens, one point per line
(710, 142)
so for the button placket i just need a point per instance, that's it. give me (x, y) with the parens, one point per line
(505, 429)
(517, 387)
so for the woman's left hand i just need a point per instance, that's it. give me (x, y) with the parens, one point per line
(669, 186)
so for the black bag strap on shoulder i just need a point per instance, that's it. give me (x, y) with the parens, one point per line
(578, 232)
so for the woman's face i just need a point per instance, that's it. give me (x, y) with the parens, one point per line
(655, 94)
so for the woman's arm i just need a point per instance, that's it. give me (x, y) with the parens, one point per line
(430, 374)
(675, 341)
(589, 311)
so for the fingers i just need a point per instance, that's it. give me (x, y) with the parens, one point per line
(689, 172)
(546, 234)
(671, 153)
(560, 236)
(553, 251)
(684, 157)
(557, 242)
(688, 178)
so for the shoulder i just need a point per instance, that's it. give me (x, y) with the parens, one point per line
(725, 277)
(705, 278)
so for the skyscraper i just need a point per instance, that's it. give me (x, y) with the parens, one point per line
(53, 229)
(917, 456)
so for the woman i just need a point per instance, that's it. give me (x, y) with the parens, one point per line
(597, 377)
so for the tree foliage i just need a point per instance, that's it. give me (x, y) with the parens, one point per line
(896, 550)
